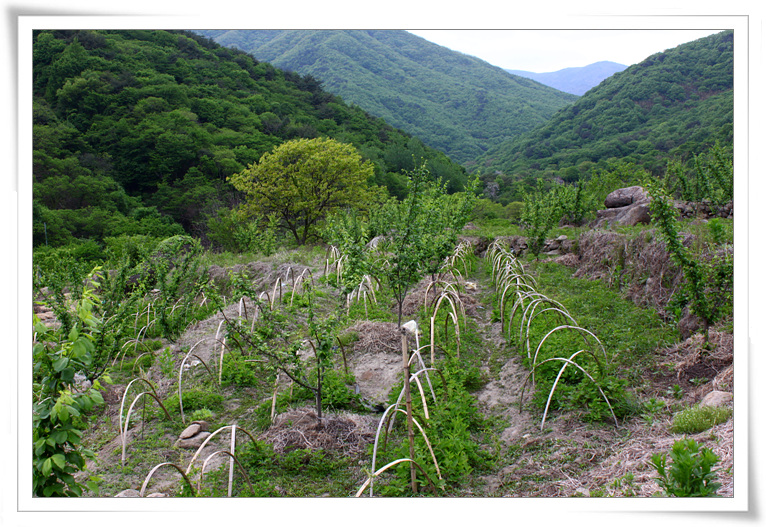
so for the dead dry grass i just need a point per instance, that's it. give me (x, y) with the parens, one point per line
(690, 360)
(639, 263)
(299, 428)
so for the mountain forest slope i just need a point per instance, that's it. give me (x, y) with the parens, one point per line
(671, 105)
(576, 81)
(454, 102)
(136, 132)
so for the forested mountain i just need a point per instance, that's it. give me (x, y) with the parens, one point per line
(672, 105)
(453, 102)
(576, 81)
(135, 132)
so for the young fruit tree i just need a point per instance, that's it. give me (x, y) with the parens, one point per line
(419, 232)
(709, 285)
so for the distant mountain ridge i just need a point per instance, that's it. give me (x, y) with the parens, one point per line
(576, 81)
(451, 101)
(672, 105)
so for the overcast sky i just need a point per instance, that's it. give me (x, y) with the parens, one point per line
(542, 51)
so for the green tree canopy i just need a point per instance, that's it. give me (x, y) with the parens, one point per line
(303, 180)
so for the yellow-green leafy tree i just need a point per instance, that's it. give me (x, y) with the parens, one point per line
(303, 180)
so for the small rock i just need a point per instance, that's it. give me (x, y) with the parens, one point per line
(157, 495)
(194, 441)
(191, 364)
(717, 398)
(193, 429)
(128, 493)
(582, 490)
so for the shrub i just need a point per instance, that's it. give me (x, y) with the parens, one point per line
(131, 248)
(699, 418)
(454, 425)
(691, 473)
(237, 371)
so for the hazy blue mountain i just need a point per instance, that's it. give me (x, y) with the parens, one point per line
(576, 81)
(457, 103)
(672, 105)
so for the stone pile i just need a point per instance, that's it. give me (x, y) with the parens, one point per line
(194, 435)
(630, 206)
(704, 209)
(557, 246)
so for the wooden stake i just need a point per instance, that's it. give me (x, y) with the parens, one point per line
(408, 402)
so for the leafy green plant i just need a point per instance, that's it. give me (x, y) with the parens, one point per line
(59, 407)
(710, 177)
(238, 371)
(348, 234)
(699, 418)
(675, 391)
(573, 202)
(269, 340)
(626, 484)
(449, 434)
(717, 230)
(651, 408)
(708, 285)
(419, 232)
(692, 472)
(298, 472)
(337, 391)
(167, 362)
(202, 414)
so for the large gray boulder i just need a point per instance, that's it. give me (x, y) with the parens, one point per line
(626, 206)
(622, 197)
